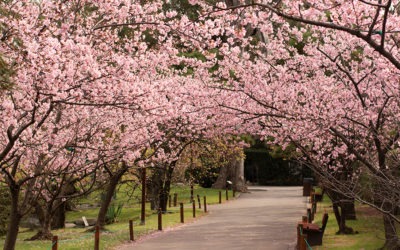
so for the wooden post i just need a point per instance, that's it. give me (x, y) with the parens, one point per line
(194, 209)
(175, 199)
(191, 193)
(131, 230)
(314, 208)
(227, 194)
(182, 214)
(309, 215)
(312, 215)
(198, 200)
(205, 204)
(220, 197)
(159, 219)
(97, 238)
(312, 196)
(298, 237)
(169, 201)
(143, 210)
(54, 243)
(233, 193)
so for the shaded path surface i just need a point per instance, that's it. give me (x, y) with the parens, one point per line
(264, 218)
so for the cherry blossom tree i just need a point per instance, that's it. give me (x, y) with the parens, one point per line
(66, 54)
(140, 76)
(322, 75)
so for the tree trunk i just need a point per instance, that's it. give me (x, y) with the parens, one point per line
(15, 218)
(166, 188)
(160, 186)
(343, 229)
(391, 238)
(154, 187)
(340, 207)
(233, 172)
(44, 232)
(349, 210)
(239, 182)
(112, 185)
(58, 220)
(62, 207)
(45, 218)
(222, 178)
(336, 211)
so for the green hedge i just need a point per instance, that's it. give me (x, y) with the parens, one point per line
(263, 169)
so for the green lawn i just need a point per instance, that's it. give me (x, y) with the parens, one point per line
(118, 233)
(369, 225)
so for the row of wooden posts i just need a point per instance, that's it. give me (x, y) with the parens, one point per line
(306, 224)
(175, 201)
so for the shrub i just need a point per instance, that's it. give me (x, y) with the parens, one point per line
(113, 212)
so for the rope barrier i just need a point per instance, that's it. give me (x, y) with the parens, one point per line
(52, 245)
(308, 245)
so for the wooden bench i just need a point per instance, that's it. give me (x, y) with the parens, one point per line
(301, 236)
(314, 232)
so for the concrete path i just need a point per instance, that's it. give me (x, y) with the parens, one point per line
(264, 219)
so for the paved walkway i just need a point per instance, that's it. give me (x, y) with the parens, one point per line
(265, 218)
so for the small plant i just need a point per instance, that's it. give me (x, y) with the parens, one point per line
(113, 212)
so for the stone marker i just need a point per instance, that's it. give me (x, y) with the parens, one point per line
(85, 221)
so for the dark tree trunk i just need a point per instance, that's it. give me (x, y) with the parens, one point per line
(160, 187)
(337, 214)
(59, 216)
(340, 208)
(166, 187)
(63, 206)
(391, 238)
(343, 229)
(15, 218)
(51, 215)
(110, 190)
(349, 210)
(45, 219)
(154, 187)
(44, 232)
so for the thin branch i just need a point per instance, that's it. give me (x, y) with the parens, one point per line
(373, 4)
(115, 25)
(371, 28)
(385, 17)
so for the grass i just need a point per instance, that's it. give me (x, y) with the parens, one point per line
(118, 233)
(369, 225)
